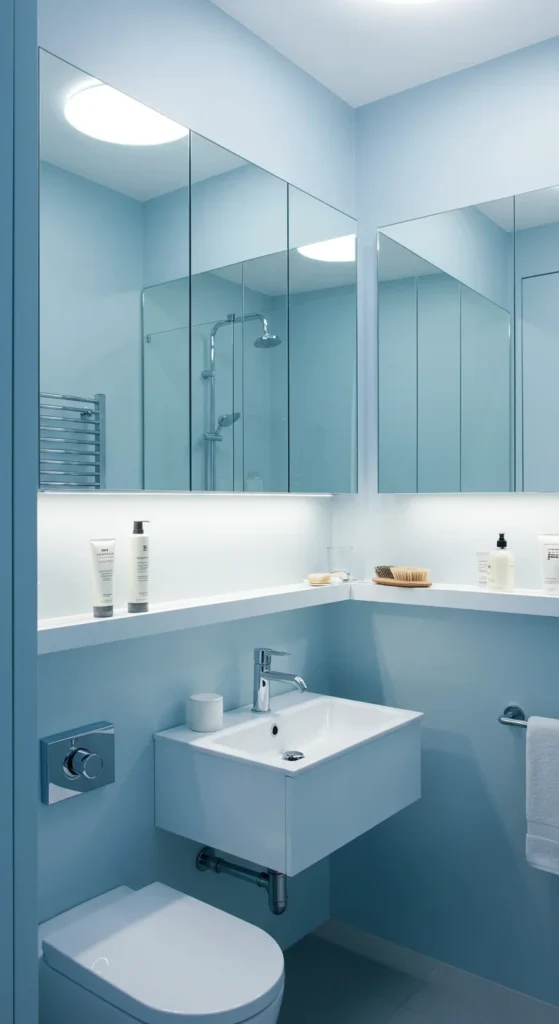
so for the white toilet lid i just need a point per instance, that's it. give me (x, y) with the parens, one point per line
(164, 957)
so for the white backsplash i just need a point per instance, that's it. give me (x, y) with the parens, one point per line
(200, 544)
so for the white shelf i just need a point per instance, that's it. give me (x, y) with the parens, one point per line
(460, 596)
(84, 631)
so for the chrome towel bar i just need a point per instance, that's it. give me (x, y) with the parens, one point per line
(514, 715)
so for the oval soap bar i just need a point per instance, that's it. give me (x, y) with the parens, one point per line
(318, 579)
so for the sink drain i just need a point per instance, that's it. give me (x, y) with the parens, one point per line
(293, 755)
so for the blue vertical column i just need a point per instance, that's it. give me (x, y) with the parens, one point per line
(6, 520)
(23, 459)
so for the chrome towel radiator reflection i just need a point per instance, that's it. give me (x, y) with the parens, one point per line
(72, 442)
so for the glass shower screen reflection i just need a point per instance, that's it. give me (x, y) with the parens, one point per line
(239, 395)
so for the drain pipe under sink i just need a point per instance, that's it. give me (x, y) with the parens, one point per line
(274, 882)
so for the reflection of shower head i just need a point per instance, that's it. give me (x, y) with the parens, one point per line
(227, 420)
(267, 340)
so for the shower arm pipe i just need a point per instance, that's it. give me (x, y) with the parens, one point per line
(227, 323)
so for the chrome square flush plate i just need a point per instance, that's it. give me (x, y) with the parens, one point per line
(77, 762)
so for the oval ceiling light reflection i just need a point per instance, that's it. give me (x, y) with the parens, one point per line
(333, 250)
(106, 114)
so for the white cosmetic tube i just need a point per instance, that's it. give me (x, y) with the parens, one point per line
(103, 560)
(549, 561)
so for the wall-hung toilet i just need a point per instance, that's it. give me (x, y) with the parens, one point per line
(156, 956)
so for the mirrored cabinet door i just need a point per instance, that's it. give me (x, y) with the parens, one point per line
(113, 224)
(198, 314)
(537, 333)
(240, 346)
(446, 352)
(322, 346)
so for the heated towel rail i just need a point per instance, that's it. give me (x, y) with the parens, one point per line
(72, 442)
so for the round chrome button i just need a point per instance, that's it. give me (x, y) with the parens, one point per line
(83, 763)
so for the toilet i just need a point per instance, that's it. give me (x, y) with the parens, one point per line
(156, 956)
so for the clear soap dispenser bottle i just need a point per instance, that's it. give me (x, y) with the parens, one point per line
(500, 575)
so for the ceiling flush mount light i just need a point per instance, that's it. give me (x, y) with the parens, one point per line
(408, 3)
(106, 114)
(333, 250)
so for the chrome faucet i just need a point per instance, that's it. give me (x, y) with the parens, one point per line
(264, 677)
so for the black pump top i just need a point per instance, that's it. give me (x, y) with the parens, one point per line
(139, 525)
(501, 543)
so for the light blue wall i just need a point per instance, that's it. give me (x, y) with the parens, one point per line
(477, 135)
(439, 877)
(448, 876)
(91, 244)
(142, 686)
(197, 65)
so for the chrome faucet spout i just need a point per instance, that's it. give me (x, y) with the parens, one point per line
(264, 677)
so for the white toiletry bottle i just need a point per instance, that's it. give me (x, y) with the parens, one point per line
(138, 568)
(500, 574)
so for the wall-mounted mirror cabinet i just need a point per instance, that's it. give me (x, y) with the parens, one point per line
(468, 333)
(198, 315)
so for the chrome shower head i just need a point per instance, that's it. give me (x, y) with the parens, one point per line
(227, 420)
(267, 340)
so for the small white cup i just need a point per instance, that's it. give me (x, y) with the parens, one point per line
(205, 712)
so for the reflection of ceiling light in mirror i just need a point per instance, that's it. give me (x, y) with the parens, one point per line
(105, 113)
(333, 250)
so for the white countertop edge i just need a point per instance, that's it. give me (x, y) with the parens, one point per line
(460, 596)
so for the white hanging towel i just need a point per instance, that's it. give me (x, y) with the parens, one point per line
(542, 794)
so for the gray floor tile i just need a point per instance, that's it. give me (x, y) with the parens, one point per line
(455, 997)
(328, 985)
(404, 1016)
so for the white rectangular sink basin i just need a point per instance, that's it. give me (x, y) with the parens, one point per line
(235, 791)
(319, 728)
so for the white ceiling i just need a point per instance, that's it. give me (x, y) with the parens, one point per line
(141, 172)
(366, 49)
